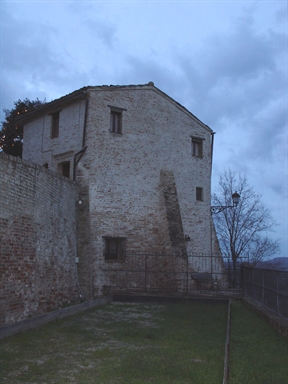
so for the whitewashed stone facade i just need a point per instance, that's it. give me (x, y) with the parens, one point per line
(148, 185)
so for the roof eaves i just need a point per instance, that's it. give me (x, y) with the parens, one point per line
(56, 104)
(183, 108)
(151, 85)
(53, 105)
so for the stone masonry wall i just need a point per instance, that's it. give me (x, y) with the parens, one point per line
(119, 178)
(41, 148)
(37, 240)
(125, 187)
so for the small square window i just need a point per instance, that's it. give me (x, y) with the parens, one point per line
(116, 122)
(197, 147)
(55, 125)
(115, 248)
(199, 194)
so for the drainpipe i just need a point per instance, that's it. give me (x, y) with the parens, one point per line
(76, 161)
(76, 158)
(212, 146)
(81, 152)
(211, 219)
(82, 297)
(85, 120)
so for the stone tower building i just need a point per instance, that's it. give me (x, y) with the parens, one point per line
(142, 163)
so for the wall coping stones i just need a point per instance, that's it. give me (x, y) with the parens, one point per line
(278, 322)
(24, 325)
(30, 164)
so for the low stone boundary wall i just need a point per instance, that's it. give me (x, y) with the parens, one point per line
(278, 322)
(34, 322)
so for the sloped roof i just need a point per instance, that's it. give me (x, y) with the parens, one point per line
(70, 98)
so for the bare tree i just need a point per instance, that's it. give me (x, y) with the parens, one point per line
(242, 230)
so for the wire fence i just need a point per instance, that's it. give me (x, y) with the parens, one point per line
(268, 287)
(169, 274)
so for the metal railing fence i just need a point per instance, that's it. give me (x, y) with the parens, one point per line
(268, 287)
(148, 273)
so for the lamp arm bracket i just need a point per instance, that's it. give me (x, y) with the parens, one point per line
(220, 208)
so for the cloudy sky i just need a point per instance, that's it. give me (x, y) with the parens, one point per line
(226, 61)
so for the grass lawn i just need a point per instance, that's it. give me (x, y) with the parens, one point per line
(122, 343)
(147, 343)
(258, 353)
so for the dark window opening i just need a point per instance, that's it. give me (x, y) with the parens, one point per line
(45, 165)
(115, 248)
(197, 147)
(55, 125)
(65, 169)
(116, 122)
(199, 194)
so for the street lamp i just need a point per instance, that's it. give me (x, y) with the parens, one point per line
(220, 208)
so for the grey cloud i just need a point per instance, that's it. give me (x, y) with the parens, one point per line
(102, 30)
(267, 135)
(142, 70)
(29, 58)
(243, 54)
(281, 14)
(238, 82)
(25, 46)
(98, 28)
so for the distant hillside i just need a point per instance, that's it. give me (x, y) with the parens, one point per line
(279, 263)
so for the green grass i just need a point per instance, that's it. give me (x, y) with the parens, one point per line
(258, 353)
(122, 343)
(147, 343)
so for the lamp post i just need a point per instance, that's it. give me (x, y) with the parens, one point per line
(220, 208)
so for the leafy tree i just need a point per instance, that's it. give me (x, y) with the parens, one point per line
(242, 230)
(11, 135)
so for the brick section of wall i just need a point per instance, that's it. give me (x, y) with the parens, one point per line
(37, 240)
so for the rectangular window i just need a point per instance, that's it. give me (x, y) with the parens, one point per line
(116, 122)
(64, 169)
(116, 117)
(115, 248)
(199, 194)
(55, 125)
(197, 147)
